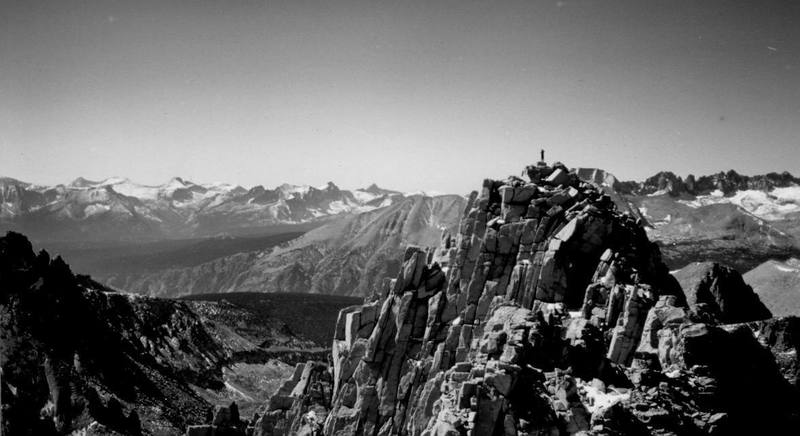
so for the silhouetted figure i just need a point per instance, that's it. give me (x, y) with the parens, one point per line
(134, 423)
(541, 152)
(234, 413)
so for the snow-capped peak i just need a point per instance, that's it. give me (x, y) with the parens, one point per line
(130, 189)
(178, 181)
(111, 181)
(289, 190)
(81, 182)
(431, 193)
(179, 202)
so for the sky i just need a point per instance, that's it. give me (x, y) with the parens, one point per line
(433, 95)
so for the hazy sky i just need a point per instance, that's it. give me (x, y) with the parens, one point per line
(411, 95)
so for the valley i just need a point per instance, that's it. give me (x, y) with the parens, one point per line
(113, 258)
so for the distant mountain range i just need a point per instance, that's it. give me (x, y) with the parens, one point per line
(224, 238)
(727, 183)
(771, 200)
(117, 209)
(738, 220)
(80, 358)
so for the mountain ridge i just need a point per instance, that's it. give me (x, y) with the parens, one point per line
(346, 256)
(727, 182)
(118, 209)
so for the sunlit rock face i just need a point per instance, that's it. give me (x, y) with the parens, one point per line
(469, 327)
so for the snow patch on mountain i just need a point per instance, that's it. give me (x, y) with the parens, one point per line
(429, 193)
(96, 209)
(141, 192)
(114, 181)
(364, 196)
(294, 190)
(771, 206)
(659, 192)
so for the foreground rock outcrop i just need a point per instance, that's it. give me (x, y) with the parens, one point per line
(76, 358)
(300, 406)
(548, 312)
(79, 358)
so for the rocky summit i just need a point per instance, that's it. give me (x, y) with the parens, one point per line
(549, 312)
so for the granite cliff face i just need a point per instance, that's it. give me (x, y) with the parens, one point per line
(548, 312)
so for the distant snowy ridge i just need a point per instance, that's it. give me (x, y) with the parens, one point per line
(177, 208)
(774, 205)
